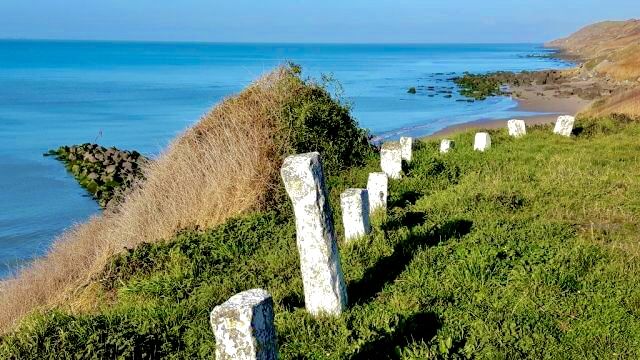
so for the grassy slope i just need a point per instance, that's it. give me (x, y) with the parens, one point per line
(527, 250)
(609, 49)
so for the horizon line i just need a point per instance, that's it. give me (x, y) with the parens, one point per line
(265, 42)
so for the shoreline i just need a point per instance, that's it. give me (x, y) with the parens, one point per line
(533, 99)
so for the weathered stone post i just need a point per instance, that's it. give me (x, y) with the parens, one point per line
(391, 159)
(407, 148)
(322, 279)
(446, 145)
(355, 213)
(377, 187)
(517, 128)
(482, 141)
(564, 125)
(243, 327)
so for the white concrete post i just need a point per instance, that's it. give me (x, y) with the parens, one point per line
(407, 148)
(243, 327)
(391, 159)
(446, 145)
(355, 213)
(482, 141)
(377, 187)
(564, 125)
(517, 128)
(322, 278)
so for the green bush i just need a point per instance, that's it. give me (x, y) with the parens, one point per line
(313, 120)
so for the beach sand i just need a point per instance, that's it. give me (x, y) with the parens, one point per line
(532, 99)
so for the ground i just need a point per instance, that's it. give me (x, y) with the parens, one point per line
(528, 250)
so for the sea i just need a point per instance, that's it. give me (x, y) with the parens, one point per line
(140, 95)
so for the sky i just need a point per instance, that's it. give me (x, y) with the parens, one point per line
(317, 21)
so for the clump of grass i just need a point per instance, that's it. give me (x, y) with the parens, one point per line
(525, 250)
(224, 166)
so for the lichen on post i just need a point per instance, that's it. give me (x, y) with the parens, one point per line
(564, 125)
(322, 278)
(517, 128)
(355, 213)
(391, 159)
(377, 188)
(243, 327)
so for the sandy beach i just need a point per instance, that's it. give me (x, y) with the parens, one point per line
(532, 99)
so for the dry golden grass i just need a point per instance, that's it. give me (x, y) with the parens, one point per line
(610, 48)
(599, 39)
(627, 102)
(221, 167)
(623, 64)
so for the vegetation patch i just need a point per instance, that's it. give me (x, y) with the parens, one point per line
(104, 173)
(524, 251)
(478, 86)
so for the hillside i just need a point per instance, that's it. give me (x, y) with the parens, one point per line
(599, 40)
(525, 251)
(609, 50)
(224, 166)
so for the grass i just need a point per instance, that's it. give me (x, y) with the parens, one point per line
(528, 250)
(626, 102)
(225, 166)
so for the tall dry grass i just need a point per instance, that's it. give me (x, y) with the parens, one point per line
(627, 102)
(221, 167)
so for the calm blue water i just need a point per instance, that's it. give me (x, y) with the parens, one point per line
(140, 95)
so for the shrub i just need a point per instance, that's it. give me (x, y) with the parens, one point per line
(224, 166)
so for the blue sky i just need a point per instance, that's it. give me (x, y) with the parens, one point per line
(342, 21)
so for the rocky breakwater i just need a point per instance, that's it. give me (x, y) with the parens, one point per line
(106, 173)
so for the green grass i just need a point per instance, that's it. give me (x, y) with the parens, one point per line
(528, 250)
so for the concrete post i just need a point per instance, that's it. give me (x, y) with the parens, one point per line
(517, 128)
(322, 278)
(391, 159)
(243, 327)
(407, 148)
(564, 125)
(446, 145)
(377, 187)
(482, 141)
(355, 213)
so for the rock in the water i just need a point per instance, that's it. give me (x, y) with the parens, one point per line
(482, 141)
(355, 213)
(244, 328)
(407, 148)
(377, 188)
(564, 125)
(107, 176)
(517, 128)
(391, 159)
(322, 278)
(446, 145)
